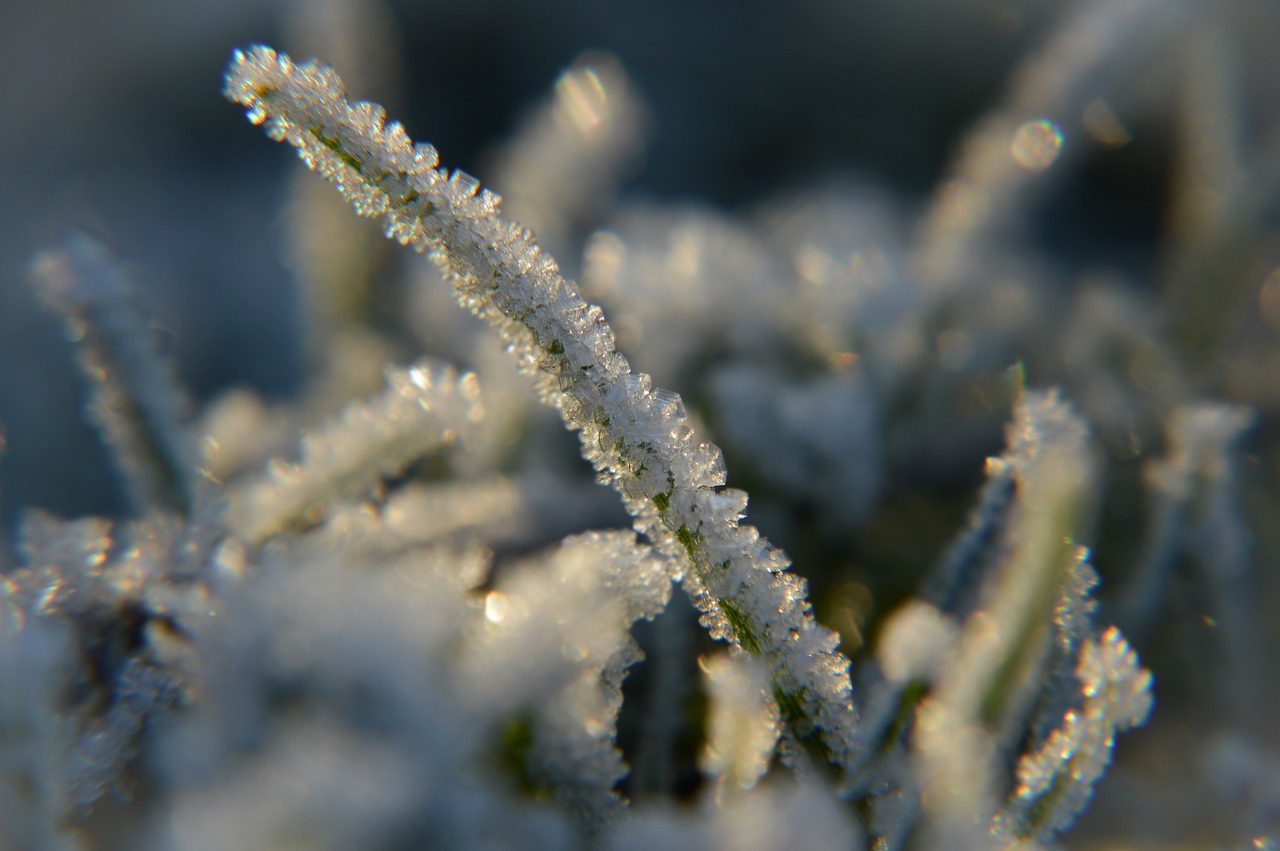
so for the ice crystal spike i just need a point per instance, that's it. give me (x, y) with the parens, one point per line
(134, 400)
(501, 274)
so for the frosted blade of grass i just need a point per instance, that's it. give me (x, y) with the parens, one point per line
(1054, 473)
(952, 586)
(1189, 487)
(992, 669)
(1196, 513)
(425, 513)
(576, 745)
(742, 729)
(98, 756)
(133, 397)
(424, 407)
(88, 626)
(554, 645)
(565, 161)
(639, 439)
(1056, 781)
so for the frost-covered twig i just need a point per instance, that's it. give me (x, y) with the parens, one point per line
(638, 438)
(425, 406)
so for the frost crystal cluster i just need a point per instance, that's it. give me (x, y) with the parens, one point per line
(391, 613)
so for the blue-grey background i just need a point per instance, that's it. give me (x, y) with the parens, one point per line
(114, 123)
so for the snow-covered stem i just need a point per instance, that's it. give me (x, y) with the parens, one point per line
(638, 438)
(424, 407)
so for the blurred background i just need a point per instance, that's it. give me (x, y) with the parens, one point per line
(115, 124)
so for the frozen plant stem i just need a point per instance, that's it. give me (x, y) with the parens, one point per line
(639, 439)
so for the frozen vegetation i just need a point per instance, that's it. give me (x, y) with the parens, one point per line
(392, 609)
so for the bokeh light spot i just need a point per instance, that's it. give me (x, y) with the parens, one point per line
(1036, 144)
